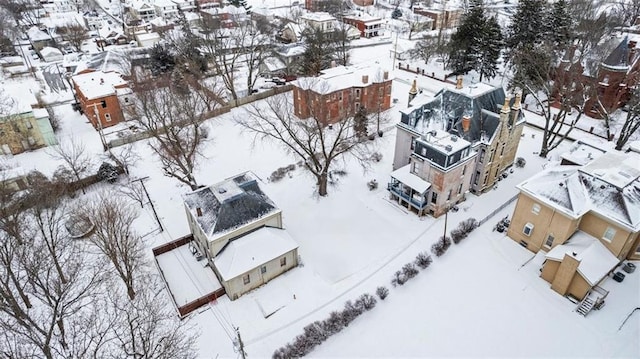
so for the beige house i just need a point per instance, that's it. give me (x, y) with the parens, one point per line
(239, 231)
(586, 218)
(24, 127)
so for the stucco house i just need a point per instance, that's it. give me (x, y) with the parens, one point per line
(239, 231)
(586, 218)
(25, 127)
(480, 115)
(341, 91)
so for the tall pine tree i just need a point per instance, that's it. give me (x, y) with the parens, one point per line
(490, 46)
(465, 42)
(560, 24)
(528, 26)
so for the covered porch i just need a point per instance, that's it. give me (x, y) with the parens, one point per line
(409, 190)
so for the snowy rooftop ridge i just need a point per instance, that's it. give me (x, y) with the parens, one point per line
(252, 250)
(229, 204)
(98, 84)
(575, 191)
(595, 259)
(343, 77)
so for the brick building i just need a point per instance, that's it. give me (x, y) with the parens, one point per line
(341, 91)
(101, 96)
(369, 26)
(442, 18)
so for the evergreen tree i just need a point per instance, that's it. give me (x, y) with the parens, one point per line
(465, 43)
(560, 24)
(528, 25)
(489, 49)
(241, 3)
(320, 49)
(160, 59)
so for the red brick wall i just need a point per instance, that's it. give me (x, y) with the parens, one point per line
(359, 24)
(332, 107)
(112, 107)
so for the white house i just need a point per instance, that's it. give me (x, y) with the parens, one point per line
(142, 10)
(186, 5)
(51, 54)
(166, 9)
(239, 230)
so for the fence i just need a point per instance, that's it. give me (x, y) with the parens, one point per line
(204, 300)
(172, 245)
(488, 217)
(207, 115)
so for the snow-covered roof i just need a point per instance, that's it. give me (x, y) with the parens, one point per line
(364, 17)
(274, 64)
(343, 77)
(595, 259)
(317, 16)
(146, 36)
(50, 51)
(229, 204)
(11, 60)
(404, 175)
(107, 61)
(574, 191)
(444, 142)
(584, 151)
(253, 250)
(36, 34)
(163, 3)
(98, 84)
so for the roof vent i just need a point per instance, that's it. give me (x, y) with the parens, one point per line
(561, 184)
(221, 190)
(433, 132)
(199, 211)
(602, 186)
(454, 138)
(448, 148)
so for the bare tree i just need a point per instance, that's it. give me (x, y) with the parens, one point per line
(631, 124)
(311, 140)
(74, 33)
(173, 118)
(74, 155)
(146, 328)
(425, 49)
(125, 156)
(134, 191)
(24, 12)
(239, 50)
(627, 11)
(115, 237)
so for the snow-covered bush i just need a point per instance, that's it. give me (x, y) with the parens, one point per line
(279, 174)
(464, 228)
(350, 312)
(382, 292)
(315, 332)
(457, 235)
(441, 246)
(367, 301)
(398, 278)
(376, 157)
(423, 260)
(333, 324)
(410, 270)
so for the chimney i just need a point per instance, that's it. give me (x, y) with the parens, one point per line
(333, 63)
(459, 82)
(516, 105)
(386, 75)
(413, 92)
(466, 123)
(365, 79)
(101, 81)
(199, 211)
(505, 107)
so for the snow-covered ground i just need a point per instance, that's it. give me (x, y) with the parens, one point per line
(477, 300)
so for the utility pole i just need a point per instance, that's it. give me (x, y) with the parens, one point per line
(99, 123)
(153, 208)
(243, 354)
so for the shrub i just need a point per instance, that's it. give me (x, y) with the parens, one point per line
(382, 292)
(315, 333)
(350, 313)
(368, 301)
(441, 246)
(398, 278)
(457, 235)
(279, 174)
(423, 260)
(468, 225)
(376, 157)
(409, 270)
(333, 324)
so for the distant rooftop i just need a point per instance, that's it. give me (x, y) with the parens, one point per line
(318, 16)
(617, 169)
(98, 84)
(343, 77)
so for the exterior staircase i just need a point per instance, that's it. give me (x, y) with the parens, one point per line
(586, 305)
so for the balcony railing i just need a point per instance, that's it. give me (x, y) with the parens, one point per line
(395, 189)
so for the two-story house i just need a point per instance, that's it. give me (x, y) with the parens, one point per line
(141, 10)
(166, 9)
(586, 218)
(341, 91)
(239, 230)
(25, 128)
(101, 96)
(437, 176)
(186, 5)
(479, 113)
(369, 26)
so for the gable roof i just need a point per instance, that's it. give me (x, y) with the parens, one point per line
(253, 250)
(575, 190)
(619, 57)
(229, 204)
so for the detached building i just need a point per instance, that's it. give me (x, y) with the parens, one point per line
(586, 218)
(102, 95)
(239, 230)
(341, 91)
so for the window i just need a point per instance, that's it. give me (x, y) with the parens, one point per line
(357, 93)
(549, 241)
(535, 209)
(449, 195)
(464, 169)
(502, 150)
(475, 179)
(423, 151)
(246, 279)
(103, 103)
(107, 117)
(28, 125)
(528, 229)
(283, 261)
(413, 143)
(434, 197)
(609, 234)
(460, 188)
(357, 106)
(263, 270)
(126, 100)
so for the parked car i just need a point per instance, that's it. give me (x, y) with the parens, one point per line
(278, 81)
